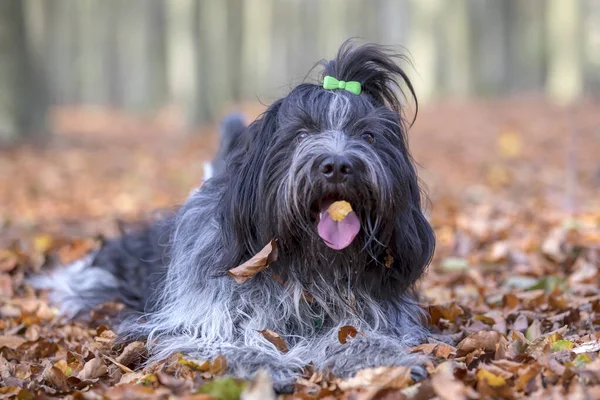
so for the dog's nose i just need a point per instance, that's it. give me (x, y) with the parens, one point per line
(336, 168)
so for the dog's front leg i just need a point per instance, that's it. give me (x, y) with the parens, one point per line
(370, 349)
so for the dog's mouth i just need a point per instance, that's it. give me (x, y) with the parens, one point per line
(337, 234)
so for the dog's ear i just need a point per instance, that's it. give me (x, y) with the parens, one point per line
(241, 211)
(412, 246)
(375, 67)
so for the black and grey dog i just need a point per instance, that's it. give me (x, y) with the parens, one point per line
(312, 147)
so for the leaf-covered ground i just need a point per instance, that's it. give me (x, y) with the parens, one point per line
(514, 286)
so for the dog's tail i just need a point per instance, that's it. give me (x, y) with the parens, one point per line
(129, 269)
(230, 136)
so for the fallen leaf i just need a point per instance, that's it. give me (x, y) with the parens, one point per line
(130, 391)
(485, 340)
(259, 388)
(562, 345)
(56, 378)
(223, 388)
(489, 378)
(345, 332)
(8, 260)
(450, 264)
(256, 264)
(198, 365)
(94, 368)
(395, 377)
(132, 354)
(275, 339)
(11, 341)
(218, 365)
(446, 386)
(509, 144)
(588, 347)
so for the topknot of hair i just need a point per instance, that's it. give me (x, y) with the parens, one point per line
(376, 68)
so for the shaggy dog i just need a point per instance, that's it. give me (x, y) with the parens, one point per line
(275, 180)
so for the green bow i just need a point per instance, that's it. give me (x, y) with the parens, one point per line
(331, 83)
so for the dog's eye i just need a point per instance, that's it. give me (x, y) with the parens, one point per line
(300, 136)
(367, 137)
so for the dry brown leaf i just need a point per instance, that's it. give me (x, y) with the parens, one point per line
(485, 340)
(130, 391)
(259, 388)
(132, 354)
(446, 386)
(6, 286)
(11, 341)
(218, 366)
(8, 260)
(378, 378)
(56, 378)
(92, 369)
(256, 264)
(275, 339)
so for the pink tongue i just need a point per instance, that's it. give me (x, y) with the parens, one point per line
(338, 234)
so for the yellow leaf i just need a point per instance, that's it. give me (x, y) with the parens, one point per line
(339, 210)
(198, 365)
(562, 345)
(489, 378)
(510, 144)
(42, 243)
(581, 360)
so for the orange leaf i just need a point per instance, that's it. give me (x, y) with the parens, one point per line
(275, 339)
(345, 332)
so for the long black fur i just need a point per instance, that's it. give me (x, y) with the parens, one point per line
(270, 188)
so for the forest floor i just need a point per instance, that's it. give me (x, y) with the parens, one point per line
(514, 188)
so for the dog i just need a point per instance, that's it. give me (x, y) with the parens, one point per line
(274, 179)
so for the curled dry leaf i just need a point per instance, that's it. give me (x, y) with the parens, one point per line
(132, 353)
(218, 365)
(92, 369)
(275, 339)
(55, 378)
(256, 264)
(339, 210)
(485, 340)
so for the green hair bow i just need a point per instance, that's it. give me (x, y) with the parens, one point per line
(331, 83)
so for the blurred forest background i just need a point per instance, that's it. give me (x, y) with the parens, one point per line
(200, 56)
(110, 107)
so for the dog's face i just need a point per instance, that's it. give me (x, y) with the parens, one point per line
(330, 146)
(317, 146)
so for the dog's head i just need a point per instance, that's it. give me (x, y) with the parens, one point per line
(316, 146)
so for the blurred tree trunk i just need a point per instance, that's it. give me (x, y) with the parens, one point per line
(23, 102)
(182, 61)
(564, 81)
(423, 46)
